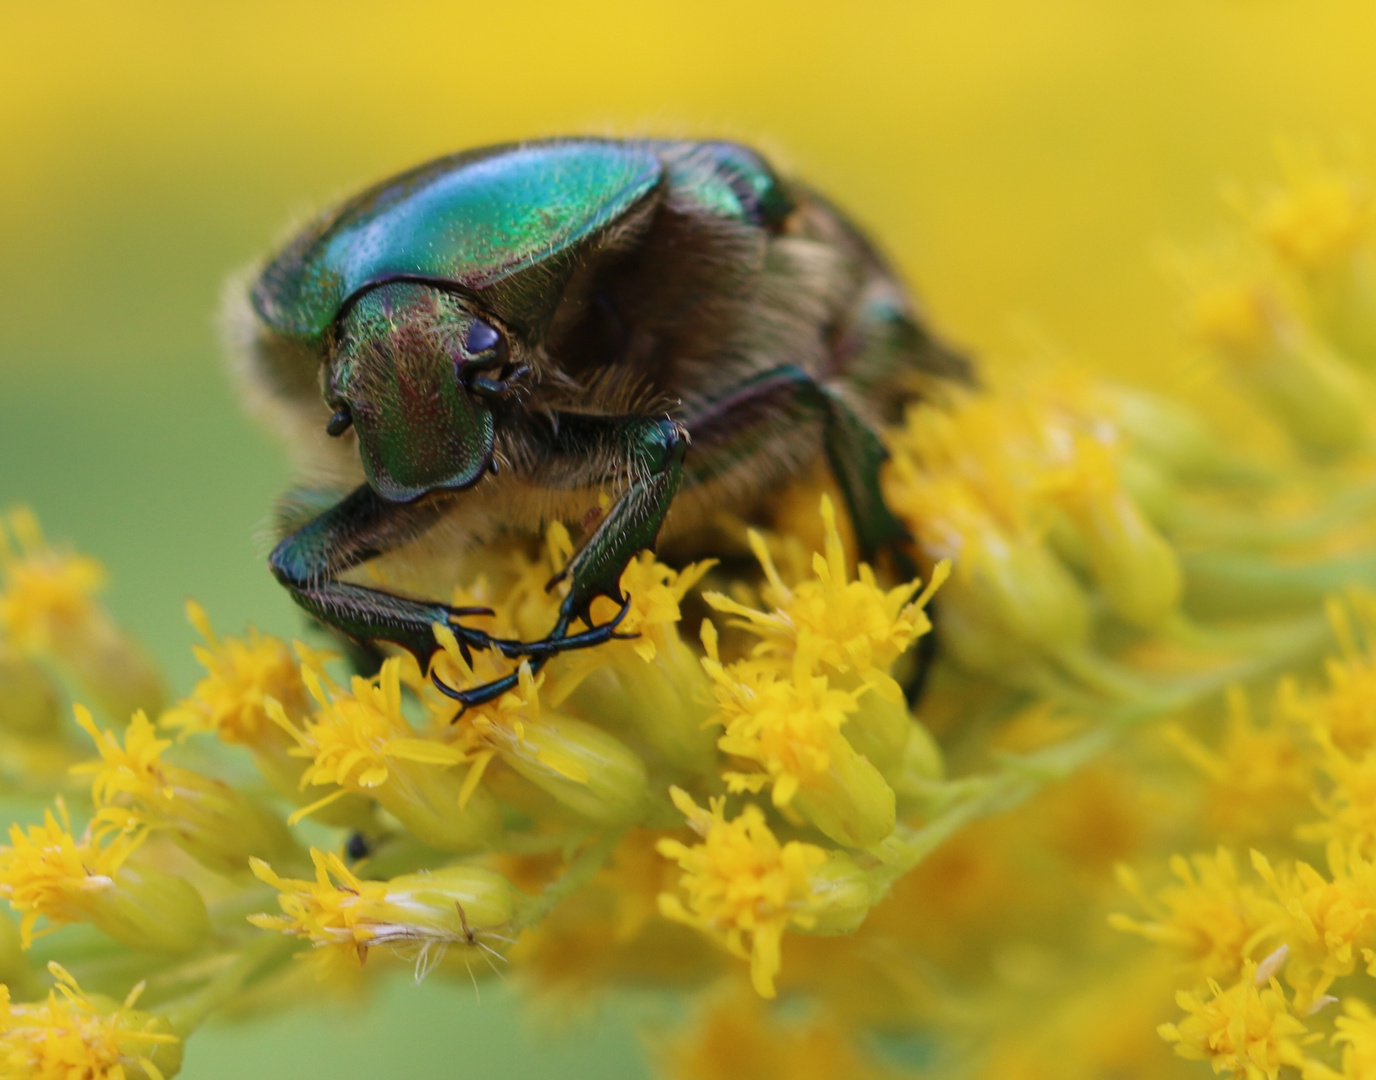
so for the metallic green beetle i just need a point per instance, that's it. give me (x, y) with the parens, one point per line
(504, 335)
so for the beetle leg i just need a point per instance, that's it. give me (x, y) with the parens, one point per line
(652, 450)
(359, 527)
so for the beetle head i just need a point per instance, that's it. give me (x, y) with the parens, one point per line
(402, 370)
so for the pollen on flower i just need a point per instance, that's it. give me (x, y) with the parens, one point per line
(241, 674)
(854, 627)
(741, 885)
(70, 1035)
(1247, 1030)
(46, 872)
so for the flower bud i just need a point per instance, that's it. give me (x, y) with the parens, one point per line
(589, 771)
(1321, 402)
(840, 896)
(1133, 565)
(29, 703)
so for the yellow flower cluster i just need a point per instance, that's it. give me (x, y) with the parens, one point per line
(749, 808)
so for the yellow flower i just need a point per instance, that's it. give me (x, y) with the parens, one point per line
(1345, 712)
(737, 1038)
(1247, 1030)
(426, 911)
(1248, 321)
(1320, 217)
(855, 628)
(48, 596)
(650, 685)
(1356, 1034)
(47, 873)
(789, 724)
(1211, 917)
(48, 607)
(744, 888)
(1349, 806)
(586, 769)
(1327, 924)
(134, 789)
(1259, 778)
(359, 741)
(71, 1035)
(241, 674)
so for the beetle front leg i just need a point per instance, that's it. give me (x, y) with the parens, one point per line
(360, 527)
(653, 450)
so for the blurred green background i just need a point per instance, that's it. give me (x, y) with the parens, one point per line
(1018, 159)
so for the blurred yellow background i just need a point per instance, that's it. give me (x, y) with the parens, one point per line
(1018, 159)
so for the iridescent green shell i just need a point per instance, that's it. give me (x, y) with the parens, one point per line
(470, 220)
(477, 220)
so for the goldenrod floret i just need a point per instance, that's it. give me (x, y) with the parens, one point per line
(1214, 919)
(655, 592)
(741, 884)
(1247, 1030)
(1132, 563)
(47, 873)
(48, 595)
(1349, 806)
(789, 724)
(971, 483)
(48, 607)
(1318, 219)
(739, 1038)
(1356, 1034)
(359, 741)
(855, 628)
(240, 675)
(1327, 924)
(1259, 777)
(72, 1036)
(426, 911)
(651, 684)
(588, 770)
(1344, 712)
(1321, 401)
(134, 789)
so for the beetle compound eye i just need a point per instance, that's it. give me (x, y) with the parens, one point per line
(340, 422)
(481, 337)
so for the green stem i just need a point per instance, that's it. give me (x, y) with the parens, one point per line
(185, 1017)
(580, 871)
